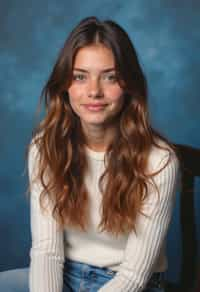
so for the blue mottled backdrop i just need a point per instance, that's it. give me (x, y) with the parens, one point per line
(167, 37)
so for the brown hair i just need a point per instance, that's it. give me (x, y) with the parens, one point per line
(60, 140)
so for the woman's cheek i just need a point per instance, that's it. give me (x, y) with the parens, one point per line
(115, 93)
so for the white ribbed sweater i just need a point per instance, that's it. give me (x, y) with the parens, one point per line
(134, 258)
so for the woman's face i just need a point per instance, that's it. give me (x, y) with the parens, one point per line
(94, 94)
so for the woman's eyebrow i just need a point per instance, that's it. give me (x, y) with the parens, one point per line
(103, 71)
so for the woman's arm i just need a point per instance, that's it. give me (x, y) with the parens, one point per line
(142, 250)
(47, 251)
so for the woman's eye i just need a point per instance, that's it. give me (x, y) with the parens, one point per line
(78, 77)
(112, 78)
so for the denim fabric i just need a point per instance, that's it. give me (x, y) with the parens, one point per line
(84, 278)
(77, 277)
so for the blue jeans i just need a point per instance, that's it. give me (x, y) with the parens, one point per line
(76, 277)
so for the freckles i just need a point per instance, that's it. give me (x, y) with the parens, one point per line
(115, 94)
(74, 92)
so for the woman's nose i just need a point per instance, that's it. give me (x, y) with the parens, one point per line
(95, 89)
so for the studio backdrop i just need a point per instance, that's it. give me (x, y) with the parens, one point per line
(167, 38)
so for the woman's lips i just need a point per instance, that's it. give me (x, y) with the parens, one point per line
(94, 107)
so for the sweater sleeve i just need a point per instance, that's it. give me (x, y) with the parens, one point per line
(47, 250)
(143, 248)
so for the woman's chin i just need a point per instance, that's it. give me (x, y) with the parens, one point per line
(93, 122)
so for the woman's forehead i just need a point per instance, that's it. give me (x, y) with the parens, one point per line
(94, 56)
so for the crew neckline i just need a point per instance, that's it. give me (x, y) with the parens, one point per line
(97, 155)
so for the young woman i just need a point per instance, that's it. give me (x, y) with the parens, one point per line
(102, 180)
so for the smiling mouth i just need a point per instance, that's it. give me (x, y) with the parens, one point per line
(95, 107)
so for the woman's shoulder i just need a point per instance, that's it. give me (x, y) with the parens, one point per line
(34, 144)
(161, 155)
(33, 151)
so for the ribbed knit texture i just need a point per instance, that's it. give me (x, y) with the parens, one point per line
(134, 257)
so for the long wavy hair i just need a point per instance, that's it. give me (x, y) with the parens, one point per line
(60, 139)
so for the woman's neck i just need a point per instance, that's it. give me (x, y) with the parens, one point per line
(98, 138)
